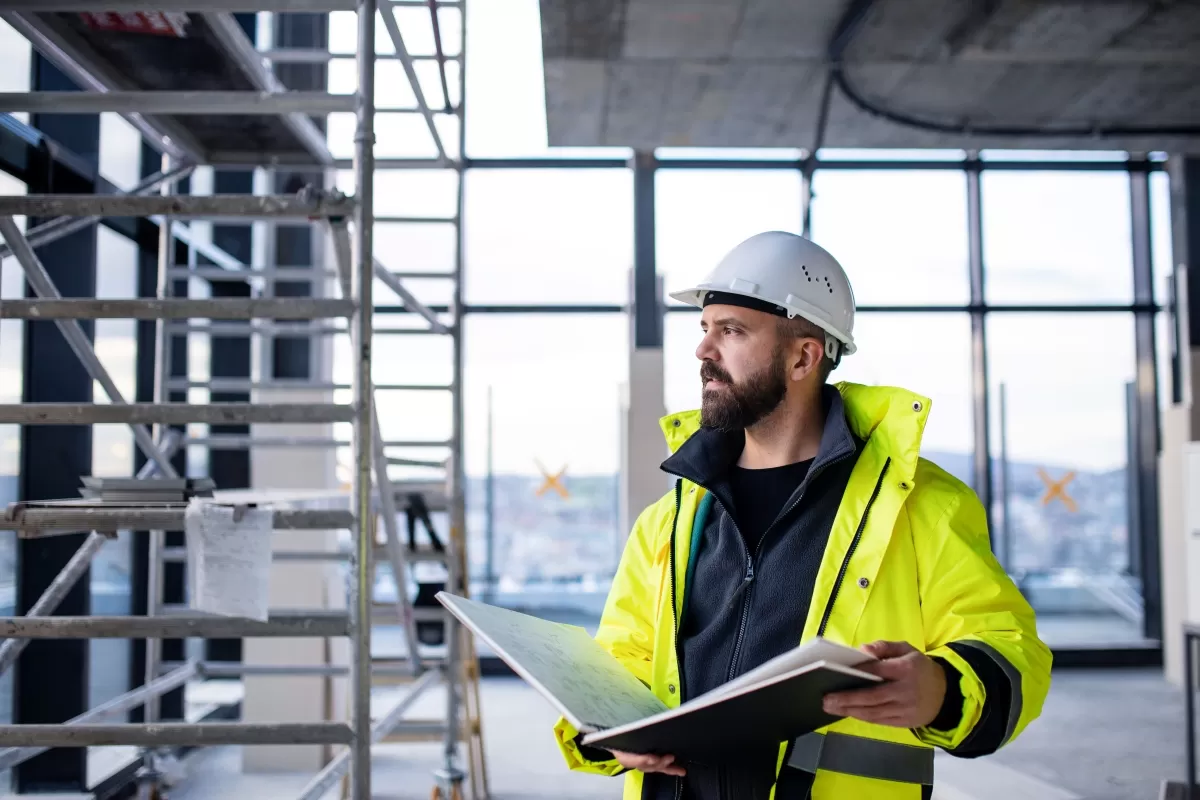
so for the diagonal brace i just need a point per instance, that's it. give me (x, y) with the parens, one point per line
(389, 21)
(43, 286)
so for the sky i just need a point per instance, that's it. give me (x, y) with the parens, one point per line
(566, 236)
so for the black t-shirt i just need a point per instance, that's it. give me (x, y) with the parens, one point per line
(760, 494)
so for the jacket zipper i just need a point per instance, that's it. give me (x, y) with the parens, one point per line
(862, 524)
(752, 559)
(675, 612)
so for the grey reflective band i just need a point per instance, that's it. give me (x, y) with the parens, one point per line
(863, 757)
(1014, 682)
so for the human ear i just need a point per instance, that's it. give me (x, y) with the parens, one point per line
(806, 358)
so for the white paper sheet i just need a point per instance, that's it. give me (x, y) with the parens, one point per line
(229, 555)
(565, 664)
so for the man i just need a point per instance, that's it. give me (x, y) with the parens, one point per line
(802, 509)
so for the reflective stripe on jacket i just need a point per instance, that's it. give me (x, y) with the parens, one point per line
(908, 558)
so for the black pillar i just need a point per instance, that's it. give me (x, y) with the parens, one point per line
(1145, 422)
(51, 677)
(174, 574)
(647, 303)
(291, 356)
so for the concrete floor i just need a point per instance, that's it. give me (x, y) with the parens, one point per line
(1103, 736)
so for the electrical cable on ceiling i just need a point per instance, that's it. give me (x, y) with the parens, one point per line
(851, 24)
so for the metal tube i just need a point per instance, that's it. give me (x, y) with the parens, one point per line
(282, 624)
(393, 28)
(176, 308)
(260, 329)
(57, 228)
(251, 273)
(456, 562)
(177, 677)
(410, 302)
(55, 592)
(301, 55)
(361, 583)
(1189, 700)
(336, 768)
(55, 520)
(174, 734)
(186, 5)
(173, 413)
(43, 286)
(177, 102)
(180, 206)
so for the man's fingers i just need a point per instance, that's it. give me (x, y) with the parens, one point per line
(885, 649)
(842, 702)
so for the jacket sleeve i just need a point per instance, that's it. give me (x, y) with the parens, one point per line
(626, 631)
(978, 623)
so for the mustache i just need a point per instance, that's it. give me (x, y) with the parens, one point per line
(711, 372)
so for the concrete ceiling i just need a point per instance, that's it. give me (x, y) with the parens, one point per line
(752, 73)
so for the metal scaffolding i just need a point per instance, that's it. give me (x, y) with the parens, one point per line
(162, 115)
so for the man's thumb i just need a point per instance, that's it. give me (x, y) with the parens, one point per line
(884, 649)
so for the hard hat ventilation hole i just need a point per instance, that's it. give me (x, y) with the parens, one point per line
(805, 268)
(829, 285)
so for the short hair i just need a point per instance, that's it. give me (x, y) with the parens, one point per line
(798, 327)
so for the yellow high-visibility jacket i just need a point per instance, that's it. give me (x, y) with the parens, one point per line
(916, 568)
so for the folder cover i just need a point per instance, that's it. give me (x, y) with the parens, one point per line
(775, 702)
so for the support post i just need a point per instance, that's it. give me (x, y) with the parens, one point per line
(982, 473)
(364, 273)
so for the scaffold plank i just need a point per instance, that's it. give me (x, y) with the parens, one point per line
(313, 204)
(177, 308)
(173, 413)
(282, 624)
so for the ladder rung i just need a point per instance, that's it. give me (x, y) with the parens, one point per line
(295, 329)
(173, 413)
(181, 734)
(177, 308)
(248, 385)
(252, 273)
(406, 276)
(415, 220)
(197, 5)
(280, 624)
(179, 206)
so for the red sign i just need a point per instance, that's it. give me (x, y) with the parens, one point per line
(159, 23)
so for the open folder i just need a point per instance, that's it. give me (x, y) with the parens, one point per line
(775, 702)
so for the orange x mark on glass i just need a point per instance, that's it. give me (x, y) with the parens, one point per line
(552, 482)
(1058, 489)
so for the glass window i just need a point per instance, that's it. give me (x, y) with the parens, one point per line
(702, 214)
(554, 453)
(1062, 494)
(112, 456)
(1162, 250)
(548, 236)
(901, 236)
(120, 151)
(1057, 237)
(941, 372)
(15, 56)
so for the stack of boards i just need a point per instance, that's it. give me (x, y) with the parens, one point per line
(146, 490)
(775, 702)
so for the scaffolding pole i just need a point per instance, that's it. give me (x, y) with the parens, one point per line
(311, 204)
(175, 102)
(335, 769)
(120, 704)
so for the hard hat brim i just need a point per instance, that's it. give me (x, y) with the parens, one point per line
(694, 296)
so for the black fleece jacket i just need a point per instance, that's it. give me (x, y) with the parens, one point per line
(745, 608)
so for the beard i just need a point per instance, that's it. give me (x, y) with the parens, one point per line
(736, 406)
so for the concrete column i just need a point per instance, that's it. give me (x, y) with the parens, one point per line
(643, 448)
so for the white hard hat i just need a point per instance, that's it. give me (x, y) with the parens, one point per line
(786, 274)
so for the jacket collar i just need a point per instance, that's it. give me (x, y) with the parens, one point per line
(889, 417)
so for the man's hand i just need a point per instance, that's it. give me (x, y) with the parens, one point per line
(910, 697)
(644, 763)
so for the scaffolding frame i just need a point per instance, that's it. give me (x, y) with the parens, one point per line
(357, 269)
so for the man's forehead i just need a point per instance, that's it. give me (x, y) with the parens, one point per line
(718, 312)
